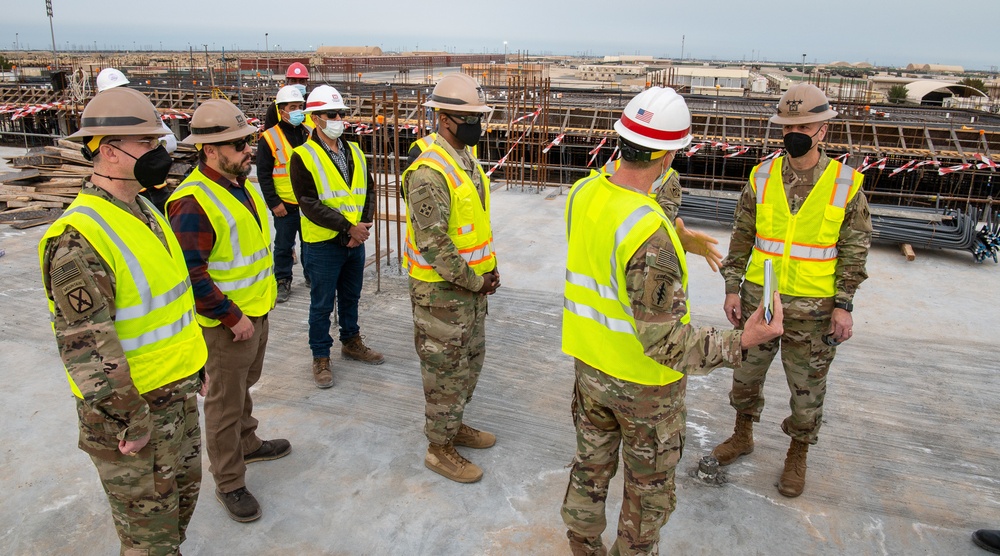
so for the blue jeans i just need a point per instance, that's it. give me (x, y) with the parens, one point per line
(285, 229)
(334, 270)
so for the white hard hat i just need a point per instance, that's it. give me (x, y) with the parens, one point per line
(323, 98)
(288, 93)
(109, 78)
(656, 119)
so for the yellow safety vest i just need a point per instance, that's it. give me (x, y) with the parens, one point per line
(331, 189)
(281, 150)
(468, 221)
(605, 226)
(803, 247)
(241, 263)
(611, 166)
(154, 304)
(428, 140)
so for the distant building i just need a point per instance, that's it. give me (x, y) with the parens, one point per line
(331, 51)
(608, 72)
(932, 92)
(628, 59)
(705, 80)
(935, 68)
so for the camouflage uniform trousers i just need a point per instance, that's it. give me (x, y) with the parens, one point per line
(153, 493)
(806, 360)
(648, 422)
(450, 337)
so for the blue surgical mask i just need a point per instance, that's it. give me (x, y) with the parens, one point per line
(301, 88)
(296, 117)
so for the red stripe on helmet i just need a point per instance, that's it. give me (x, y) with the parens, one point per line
(315, 103)
(652, 133)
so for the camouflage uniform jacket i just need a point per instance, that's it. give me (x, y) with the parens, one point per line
(86, 336)
(669, 196)
(853, 245)
(658, 300)
(430, 227)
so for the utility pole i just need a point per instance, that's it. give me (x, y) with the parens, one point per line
(682, 48)
(803, 64)
(208, 68)
(55, 56)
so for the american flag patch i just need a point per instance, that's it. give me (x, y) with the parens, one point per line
(65, 273)
(644, 115)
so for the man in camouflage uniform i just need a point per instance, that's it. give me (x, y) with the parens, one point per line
(627, 325)
(452, 268)
(819, 260)
(123, 315)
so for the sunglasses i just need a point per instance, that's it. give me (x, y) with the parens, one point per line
(465, 119)
(333, 114)
(238, 144)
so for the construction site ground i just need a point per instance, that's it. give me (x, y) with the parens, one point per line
(906, 462)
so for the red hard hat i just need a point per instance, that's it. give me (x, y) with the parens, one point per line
(297, 71)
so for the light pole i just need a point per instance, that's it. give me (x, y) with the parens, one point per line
(803, 64)
(267, 55)
(48, 12)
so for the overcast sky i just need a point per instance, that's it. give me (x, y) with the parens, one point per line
(894, 32)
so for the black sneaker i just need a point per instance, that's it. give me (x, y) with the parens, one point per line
(284, 290)
(269, 449)
(239, 504)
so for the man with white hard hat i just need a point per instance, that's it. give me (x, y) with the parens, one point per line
(626, 322)
(806, 214)
(452, 265)
(221, 224)
(336, 195)
(276, 183)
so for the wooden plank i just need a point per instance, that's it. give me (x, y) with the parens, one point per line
(907, 250)
(22, 224)
(44, 204)
(16, 189)
(23, 175)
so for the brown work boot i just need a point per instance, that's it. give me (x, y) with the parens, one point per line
(793, 478)
(322, 375)
(472, 438)
(739, 444)
(269, 450)
(355, 348)
(239, 504)
(582, 546)
(444, 460)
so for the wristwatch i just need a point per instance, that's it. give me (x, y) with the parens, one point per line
(847, 306)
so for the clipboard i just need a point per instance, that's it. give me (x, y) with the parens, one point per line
(770, 284)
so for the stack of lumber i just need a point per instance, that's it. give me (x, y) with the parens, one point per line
(45, 180)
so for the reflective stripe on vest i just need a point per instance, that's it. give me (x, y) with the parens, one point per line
(611, 166)
(468, 222)
(157, 332)
(803, 247)
(247, 278)
(281, 152)
(598, 323)
(346, 197)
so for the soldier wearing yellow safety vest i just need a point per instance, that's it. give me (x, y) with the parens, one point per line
(808, 215)
(337, 195)
(666, 189)
(452, 266)
(422, 144)
(123, 314)
(221, 223)
(627, 325)
(273, 154)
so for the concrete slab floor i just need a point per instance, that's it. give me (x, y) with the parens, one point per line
(906, 464)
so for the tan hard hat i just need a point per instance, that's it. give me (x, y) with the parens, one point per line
(458, 92)
(218, 121)
(803, 103)
(118, 111)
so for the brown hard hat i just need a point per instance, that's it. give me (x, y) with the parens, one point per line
(218, 121)
(118, 111)
(458, 92)
(803, 103)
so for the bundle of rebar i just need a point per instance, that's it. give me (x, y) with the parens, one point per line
(925, 228)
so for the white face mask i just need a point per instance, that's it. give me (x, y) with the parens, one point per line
(334, 128)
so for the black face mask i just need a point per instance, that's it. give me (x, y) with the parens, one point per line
(151, 169)
(798, 144)
(469, 134)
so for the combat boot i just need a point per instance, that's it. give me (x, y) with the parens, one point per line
(284, 289)
(739, 444)
(472, 438)
(988, 540)
(793, 478)
(321, 372)
(239, 504)
(582, 546)
(444, 460)
(355, 348)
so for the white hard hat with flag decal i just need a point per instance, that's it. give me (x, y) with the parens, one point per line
(656, 119)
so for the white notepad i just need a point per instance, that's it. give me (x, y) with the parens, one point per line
(770, 283)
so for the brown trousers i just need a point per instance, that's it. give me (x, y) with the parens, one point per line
(230, 428)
